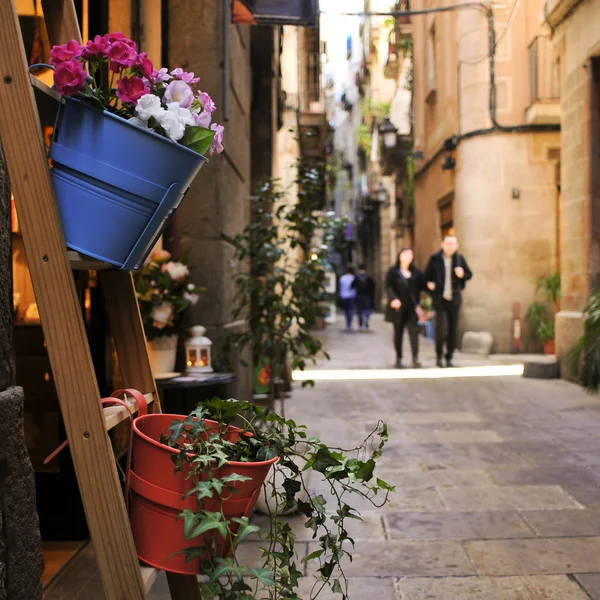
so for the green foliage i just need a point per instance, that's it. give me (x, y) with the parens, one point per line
(334, 236)
(541, 316)
(165, 293)
(364, 138)
(282, 292)
(376, 110)
(204, 446)
(408, 183)
(585, 354)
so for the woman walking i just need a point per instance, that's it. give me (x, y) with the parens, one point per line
(404, 284)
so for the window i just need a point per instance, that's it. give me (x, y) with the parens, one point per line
(431, 59)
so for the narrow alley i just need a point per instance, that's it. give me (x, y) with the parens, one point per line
(497, 480)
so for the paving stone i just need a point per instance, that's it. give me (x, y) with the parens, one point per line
(461, 477)
(451, 525)
(394, 558)
(381, 588)
(535, 556)
(591, 584)
(521, 497)
(548, 587)
(587, 495)
(451, 437)
(415, 499)
(438, 417)
(564, 523)
(546, 476)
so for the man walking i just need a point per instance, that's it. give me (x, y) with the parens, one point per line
(364, 285)
(446, 275)
(348, 295)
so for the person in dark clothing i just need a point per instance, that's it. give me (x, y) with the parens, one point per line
(364, 285)
(446, 275)
(404, 284)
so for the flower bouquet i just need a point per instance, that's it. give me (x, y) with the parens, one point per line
(128, 142)
(165, 293)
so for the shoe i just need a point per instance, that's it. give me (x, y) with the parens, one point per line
(439, 363)
(366, 324)
(399, 364)
(416, 364)
(449, 363)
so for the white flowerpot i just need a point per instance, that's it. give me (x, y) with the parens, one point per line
(162, 352)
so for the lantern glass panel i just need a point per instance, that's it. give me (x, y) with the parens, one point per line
(192, 360)
(204, 357)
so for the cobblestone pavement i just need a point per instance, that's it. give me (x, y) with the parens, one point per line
(498, 480)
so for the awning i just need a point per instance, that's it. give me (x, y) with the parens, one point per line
(302, 13)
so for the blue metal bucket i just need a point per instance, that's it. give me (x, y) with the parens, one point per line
(116, 184)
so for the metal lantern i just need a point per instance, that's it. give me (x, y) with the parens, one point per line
(389, 134)
(197, 352)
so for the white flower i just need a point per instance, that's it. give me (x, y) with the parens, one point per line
(180, 92)
(172, 125)
(190, 287)
(191, 298)
(149, 106)
(183, 114)
(138, 122)
(176, 270)
(161, 314)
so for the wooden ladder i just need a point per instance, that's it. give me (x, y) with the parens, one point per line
(26, 104)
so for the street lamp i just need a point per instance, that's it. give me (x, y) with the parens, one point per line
(389, 134)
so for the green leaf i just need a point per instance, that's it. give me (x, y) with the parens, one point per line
(336, 587)
(324, 460)
(386, 486)
(235, 477)
(265, 576)
(208, 521)
(198, 139)
(365, 471)
(245, 528)
(313, 555)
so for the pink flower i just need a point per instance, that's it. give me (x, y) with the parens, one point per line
(184, 76)
(201, 119)
(161, 75)
(217, 145)
(131, 89)
(145, 66)
(121, 56)
(117, 36)
(65, 52)
(206, 102)
(69, 77)
(97, 47)
(180, 92)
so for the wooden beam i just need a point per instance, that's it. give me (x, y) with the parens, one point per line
(60, 314)
(61, 21)
(113, 415)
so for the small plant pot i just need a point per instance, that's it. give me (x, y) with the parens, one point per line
(162, 352)
(549, 347)
(117, 185)
(157, 497)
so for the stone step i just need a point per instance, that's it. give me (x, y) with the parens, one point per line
(542, 367)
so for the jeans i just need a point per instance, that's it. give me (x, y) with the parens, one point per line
(408, 320)
(363, 308)
(349, 310)
(446, 328)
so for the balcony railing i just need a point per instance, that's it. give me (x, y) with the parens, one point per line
(543, 71)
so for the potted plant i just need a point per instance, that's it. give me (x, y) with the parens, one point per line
(585, 355)
(165, 293)
(195, 479)
(541, 316)
(127, 144)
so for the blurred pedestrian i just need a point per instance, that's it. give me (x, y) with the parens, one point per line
(446, 275)
(364, 285)
(404, 284)
(348, 295)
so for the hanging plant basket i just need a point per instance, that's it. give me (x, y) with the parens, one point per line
(157, 497)
(116, 184)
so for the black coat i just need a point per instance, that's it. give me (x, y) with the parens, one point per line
(408, 291)
(436, 272)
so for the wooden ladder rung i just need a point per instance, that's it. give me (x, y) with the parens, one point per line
(149, 575)
(113, 415)
(81, 262)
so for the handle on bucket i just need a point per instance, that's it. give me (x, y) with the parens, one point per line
(142, 405)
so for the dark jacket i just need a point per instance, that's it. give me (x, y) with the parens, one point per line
(364, 285)
(408, 291)
(436, 272)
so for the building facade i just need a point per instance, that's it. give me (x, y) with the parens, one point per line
(575, 29)
(488, 129)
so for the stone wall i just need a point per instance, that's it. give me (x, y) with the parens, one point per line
(218, 199)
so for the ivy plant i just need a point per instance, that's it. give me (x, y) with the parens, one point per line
(280, 279)
(204, 447)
